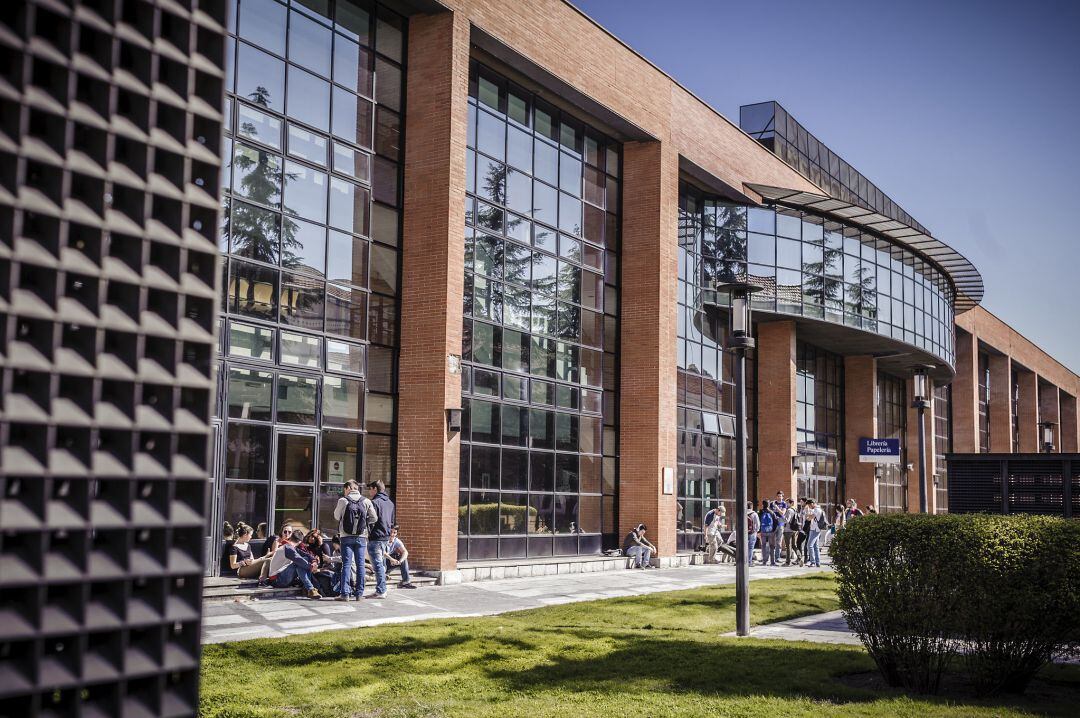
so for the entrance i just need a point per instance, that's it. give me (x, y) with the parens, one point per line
(294, 477)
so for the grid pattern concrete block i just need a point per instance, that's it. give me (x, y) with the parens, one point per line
(108, 301)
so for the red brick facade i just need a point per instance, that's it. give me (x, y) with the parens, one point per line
(573, 50)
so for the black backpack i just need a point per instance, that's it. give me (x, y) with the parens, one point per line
(354, 521)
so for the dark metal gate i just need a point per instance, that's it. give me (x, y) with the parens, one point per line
(1014, 484)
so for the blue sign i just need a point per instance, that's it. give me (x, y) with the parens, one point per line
(879, 451)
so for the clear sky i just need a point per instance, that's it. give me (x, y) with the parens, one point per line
(967, 114)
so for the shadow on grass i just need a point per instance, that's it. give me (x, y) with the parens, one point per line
(734, 667)
(286, 653)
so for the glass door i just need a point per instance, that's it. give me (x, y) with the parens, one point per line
(213, 518)
(295, 472)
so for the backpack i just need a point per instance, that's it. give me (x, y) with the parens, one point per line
(749, 524)
(822, 522)
(710, 517)
(354, 520)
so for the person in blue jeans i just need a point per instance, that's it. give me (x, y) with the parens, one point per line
(753, 525)
(294, 565)
(397, 556)
(354, 515)
(380, 534)
(816, 516)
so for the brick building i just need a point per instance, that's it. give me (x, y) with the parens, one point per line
(502, 209)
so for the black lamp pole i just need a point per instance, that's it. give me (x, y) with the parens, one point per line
(739, 341)
(922, 402)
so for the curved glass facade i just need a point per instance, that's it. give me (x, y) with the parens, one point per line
(822, 269)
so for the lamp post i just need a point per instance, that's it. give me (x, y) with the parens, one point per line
(1047, 436)
(921, 401)
(739, 341)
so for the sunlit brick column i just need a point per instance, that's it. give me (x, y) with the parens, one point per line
(1028, 412)
(860, 419)
(776, 408)
(1001, 438)
(965, 394)
(912, 442)
(1049, 410)
(647, 417)
(433, 257)
(1070, 440)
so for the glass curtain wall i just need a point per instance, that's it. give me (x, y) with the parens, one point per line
(942, 443)
(309, 239)
(891, 398)
(984, 402)
(708, 229)
(819, 406)
(539, 438)
(825, 270)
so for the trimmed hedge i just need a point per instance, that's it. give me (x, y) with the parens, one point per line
(998, 595)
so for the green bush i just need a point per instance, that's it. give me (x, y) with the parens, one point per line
(1000, 593)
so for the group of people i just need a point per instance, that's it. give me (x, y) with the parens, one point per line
(367, 536)
(793, 530)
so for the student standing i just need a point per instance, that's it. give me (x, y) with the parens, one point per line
(380, 533)
(354, 514)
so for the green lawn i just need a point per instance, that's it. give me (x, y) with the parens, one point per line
(655, 655)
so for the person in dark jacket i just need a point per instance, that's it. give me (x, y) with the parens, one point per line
(379, 534)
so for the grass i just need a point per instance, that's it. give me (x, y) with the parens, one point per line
(654, 655)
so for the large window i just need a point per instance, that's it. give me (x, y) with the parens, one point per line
(310, 237)
(705, 388)
(539, 438)
(892, 424)
(818, 410)
(942, 444)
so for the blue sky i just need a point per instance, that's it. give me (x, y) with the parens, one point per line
(967, 114)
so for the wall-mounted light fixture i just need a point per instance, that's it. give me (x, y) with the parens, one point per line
(453, 420)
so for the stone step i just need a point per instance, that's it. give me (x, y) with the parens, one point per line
(224, 588)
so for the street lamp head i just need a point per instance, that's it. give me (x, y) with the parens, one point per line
(740, 304)
(922, 386)
(1047, 435)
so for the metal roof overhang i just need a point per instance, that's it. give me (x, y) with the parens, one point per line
(960, 271)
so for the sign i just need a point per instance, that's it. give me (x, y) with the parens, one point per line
(336, 472)
(669, 480)
(879, 451)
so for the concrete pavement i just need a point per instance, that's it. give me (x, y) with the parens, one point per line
(270, 618)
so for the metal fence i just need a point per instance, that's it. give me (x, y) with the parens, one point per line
(1046, 484)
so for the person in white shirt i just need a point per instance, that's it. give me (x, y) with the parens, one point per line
(397, 556)
(354, 514)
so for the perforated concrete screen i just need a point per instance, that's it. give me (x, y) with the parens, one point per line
(110, 134)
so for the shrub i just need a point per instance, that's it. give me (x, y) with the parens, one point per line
(897, 595)
(1000, 592)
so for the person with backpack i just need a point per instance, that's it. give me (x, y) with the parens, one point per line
(380, 534)
(818, 523)
(790, 533)
(753, 525)
(354, 515)
(768, 534)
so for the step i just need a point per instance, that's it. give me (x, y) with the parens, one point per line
(223, 588)
(468, 571)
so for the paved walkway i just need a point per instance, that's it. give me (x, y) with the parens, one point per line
(268, 618)
(820, 628)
